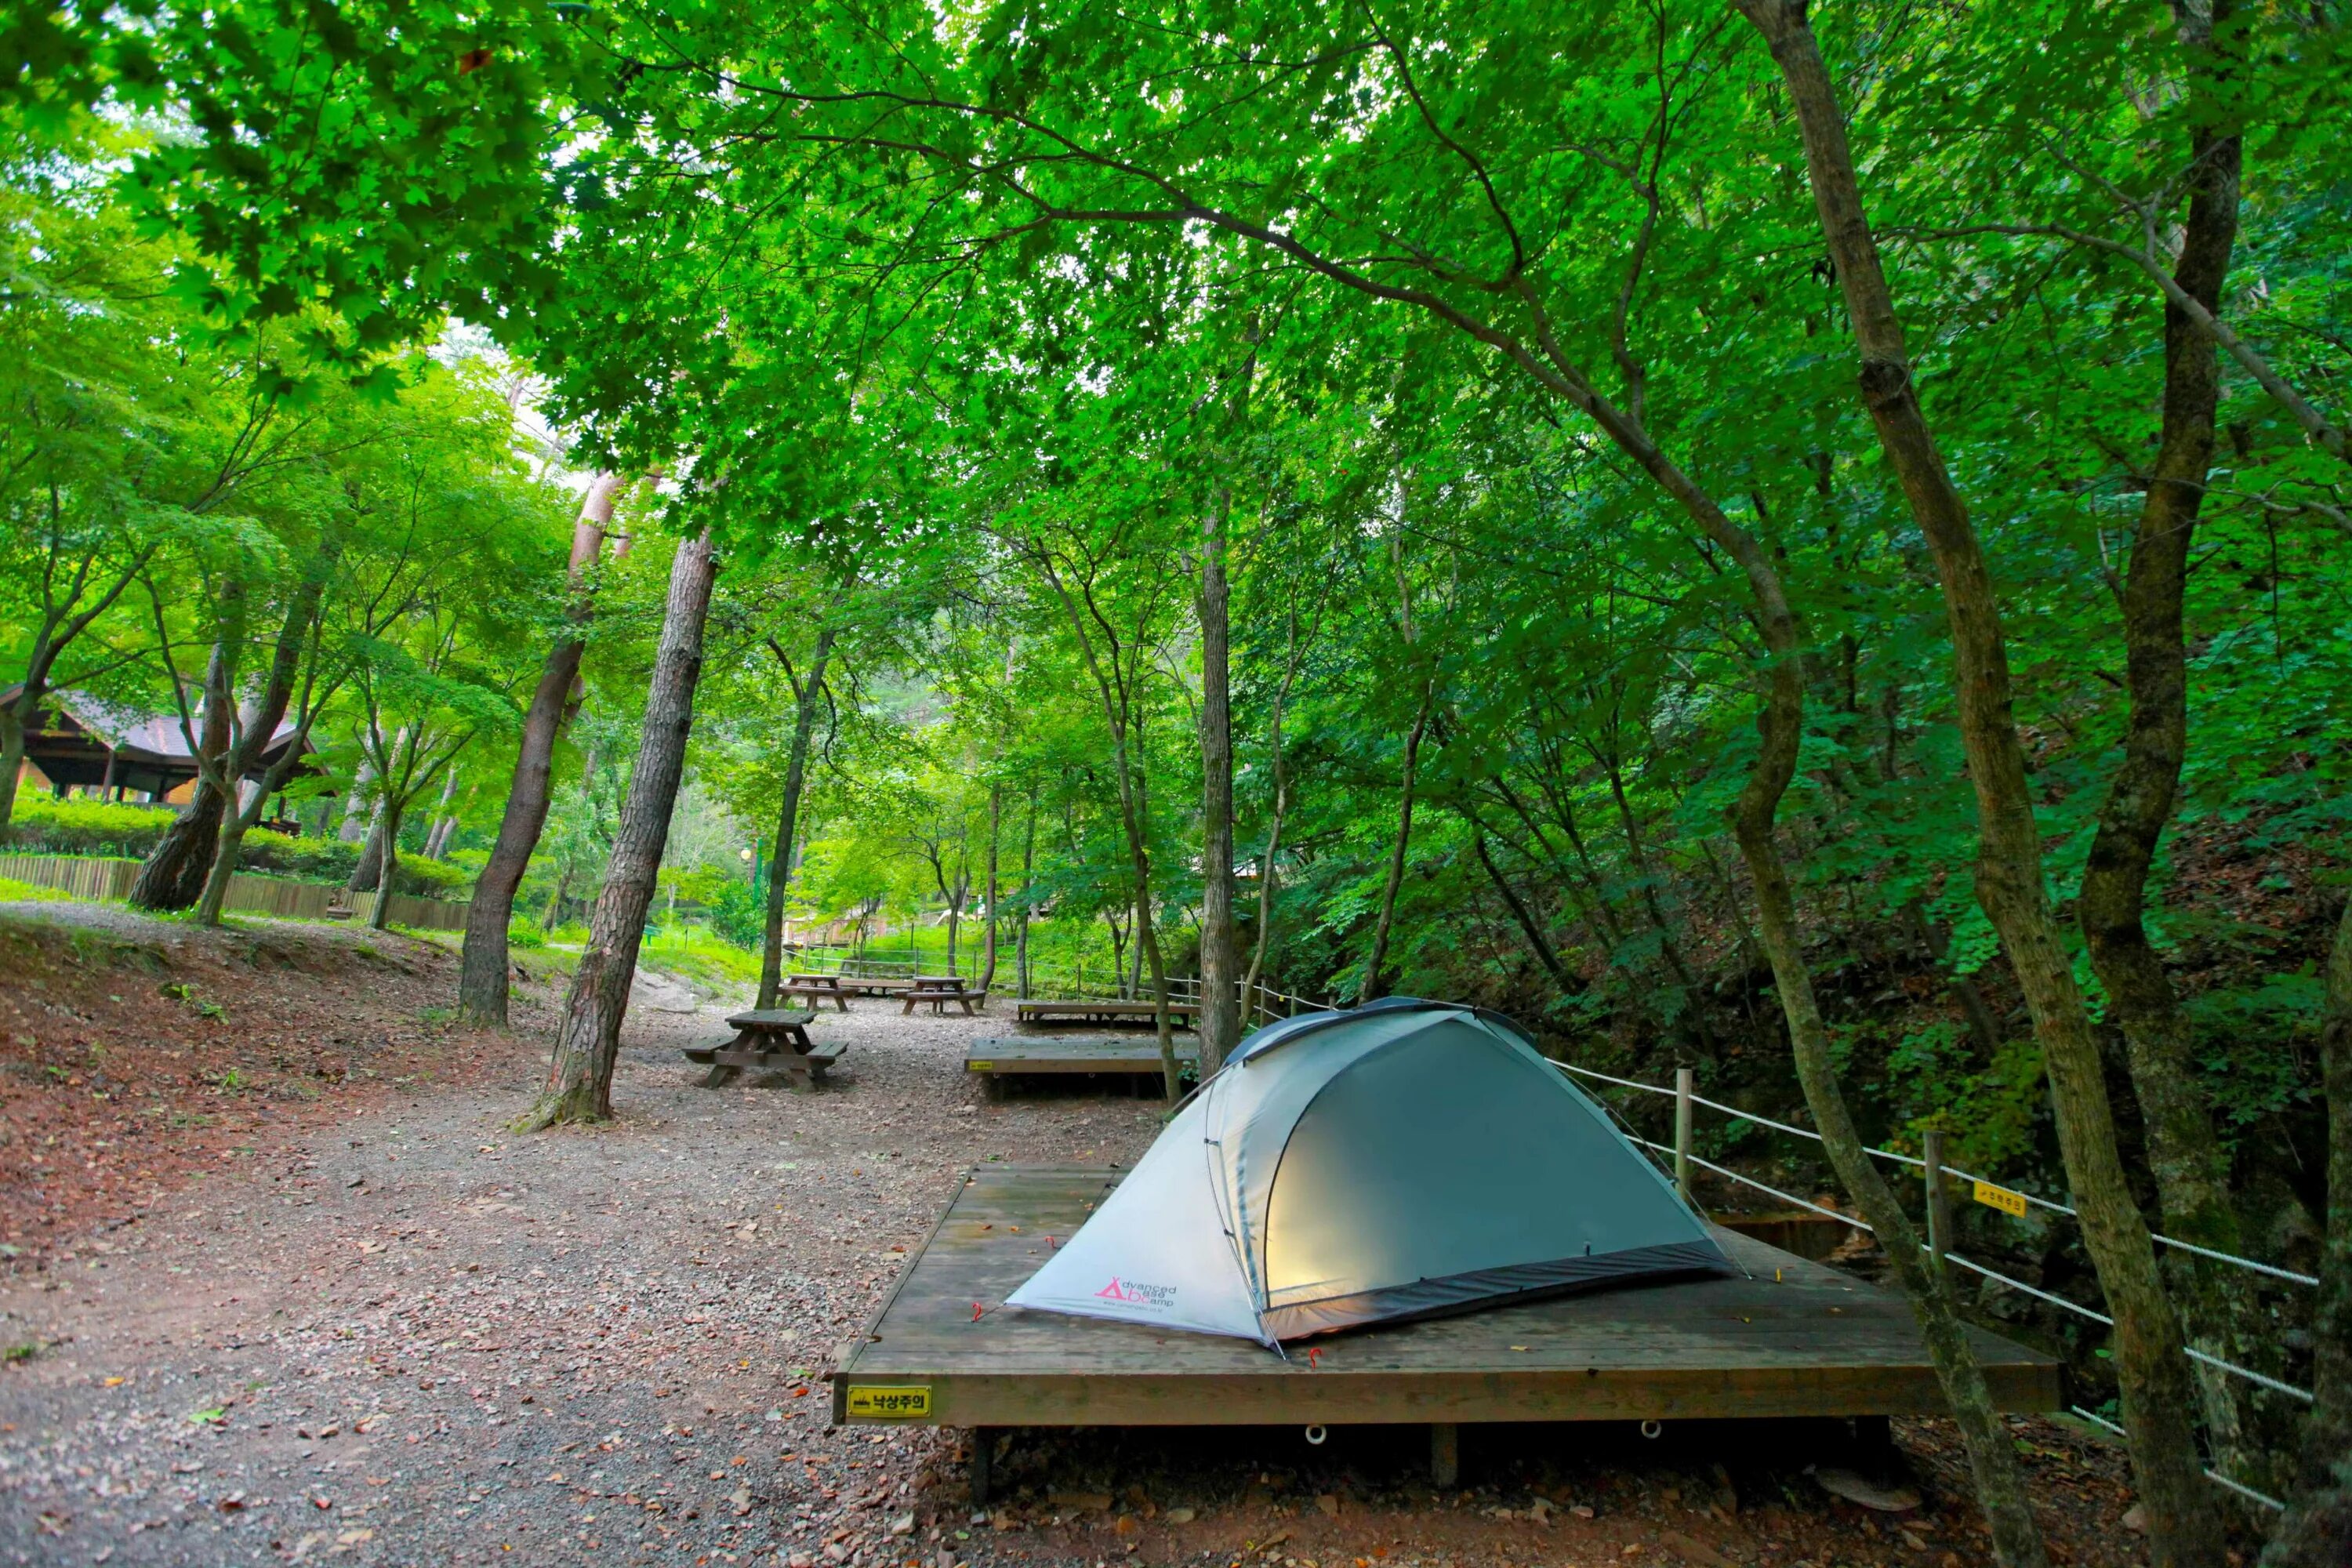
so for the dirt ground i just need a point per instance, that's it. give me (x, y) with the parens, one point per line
(280, 1286)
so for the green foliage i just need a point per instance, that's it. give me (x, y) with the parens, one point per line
(46, 826)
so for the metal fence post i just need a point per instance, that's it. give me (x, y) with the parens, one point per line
(1682, 1133)
(1939, 1201)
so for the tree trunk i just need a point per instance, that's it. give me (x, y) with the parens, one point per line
(353, 826)
(1118, 951)
(1147, 934)
(1220, 1019)
(1028, 878)
(1993, 1455)
(2316, 1532)
(1131, 985)
(580, 1076)
(2158, 1392)
(12, 755)
(1646, 881)
(482, 972)
(1983, 1027)
(996, 813)
(367, 876)
(788, 814)
(1530, 927)
(173, 875)
(261, 728)
(2184, 1154)
(1370, 988)
(445, 818)
(387, 847)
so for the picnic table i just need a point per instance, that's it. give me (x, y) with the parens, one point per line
(881, 986)
(816, 988)
(939, 990)
(775, 1040)
(1104, 1010)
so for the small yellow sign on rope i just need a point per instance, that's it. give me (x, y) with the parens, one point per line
(868, 1399)
(2001, 1198)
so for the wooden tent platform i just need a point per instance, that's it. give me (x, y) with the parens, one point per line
(1015, 1056)
(1105, 1010)
(1810, 1342)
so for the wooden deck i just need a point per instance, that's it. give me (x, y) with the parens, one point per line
(1129, 1058)
(1012, 1054)
(1796, 1340)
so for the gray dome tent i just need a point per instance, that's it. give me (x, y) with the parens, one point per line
(1402, 1160)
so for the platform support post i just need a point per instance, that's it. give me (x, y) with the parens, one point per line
(984, 1463)
(1682, 1133)
(1939, 1201)
(1875, 1453)
(1445, 1454)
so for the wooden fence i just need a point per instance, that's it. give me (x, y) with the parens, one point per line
(282, 898)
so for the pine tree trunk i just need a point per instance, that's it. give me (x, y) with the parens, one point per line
(588, 1041)
(1219, 1021)
(788, 814)
(482, 972)
(2158, 1392)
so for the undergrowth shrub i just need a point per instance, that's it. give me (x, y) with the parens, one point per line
(48, 827)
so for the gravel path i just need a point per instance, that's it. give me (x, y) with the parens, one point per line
(398, 1334)
(427, 1340)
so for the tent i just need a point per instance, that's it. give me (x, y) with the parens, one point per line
(1402, 1160)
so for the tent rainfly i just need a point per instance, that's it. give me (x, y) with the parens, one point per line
(1402, 1160)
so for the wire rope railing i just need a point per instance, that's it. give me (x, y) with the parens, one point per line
(1933, 1169)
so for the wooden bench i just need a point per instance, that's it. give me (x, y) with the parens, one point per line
(773, 1041)
(1105, 1010)
(815, 989)
(939, 990)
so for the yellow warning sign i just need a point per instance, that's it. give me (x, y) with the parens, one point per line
(979, 1067)
(868, 1399)
(2001, 1198)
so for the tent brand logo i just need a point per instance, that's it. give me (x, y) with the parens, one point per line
(1136, 1295)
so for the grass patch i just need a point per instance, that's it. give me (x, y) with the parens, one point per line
(697, 956)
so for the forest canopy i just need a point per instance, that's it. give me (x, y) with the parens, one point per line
(1811, 549)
